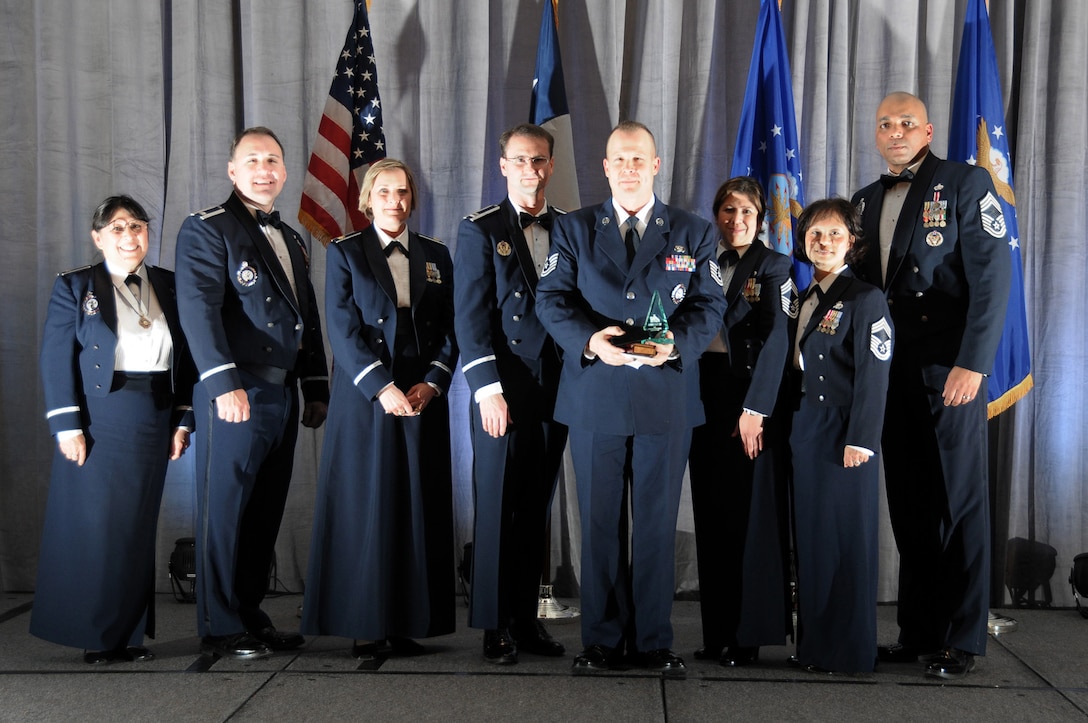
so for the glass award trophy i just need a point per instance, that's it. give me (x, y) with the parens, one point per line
(654, 331)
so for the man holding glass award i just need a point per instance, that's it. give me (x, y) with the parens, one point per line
(632, 293)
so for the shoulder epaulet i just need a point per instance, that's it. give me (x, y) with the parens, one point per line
(207, 213)
(72, 271)
(346, 237)
(477, 215)
(560, 211)
(431, 239)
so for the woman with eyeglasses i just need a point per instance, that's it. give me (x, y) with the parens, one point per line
(118, 383)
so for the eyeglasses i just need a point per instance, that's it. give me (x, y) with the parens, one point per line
(134, 227)
(522, 161)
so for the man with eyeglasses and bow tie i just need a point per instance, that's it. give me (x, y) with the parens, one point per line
(938, 249)
(512, 367)
(249, 312)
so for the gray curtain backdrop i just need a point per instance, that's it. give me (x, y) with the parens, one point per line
(129, 96)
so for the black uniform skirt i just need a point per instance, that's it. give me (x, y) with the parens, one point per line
(96, 570)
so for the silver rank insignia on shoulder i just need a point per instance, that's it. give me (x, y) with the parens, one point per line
(550, 264)
(207, 213)
(90, 304)
(880, 340)
(993, 219)
(434, 276)
(791, 300)
(486, 211)
(715, 272)
(504, 248)
(247, 275)
(677, 293)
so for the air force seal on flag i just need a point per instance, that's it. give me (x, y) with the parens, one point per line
(993, 220)
(880, 340)
(550, 265)
(791, 300)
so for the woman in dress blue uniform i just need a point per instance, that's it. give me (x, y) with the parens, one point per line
(738, 461)
(841, 353)
(380, 568)
(118, 383)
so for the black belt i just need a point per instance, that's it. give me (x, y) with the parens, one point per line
(270, 374)
(141, 381)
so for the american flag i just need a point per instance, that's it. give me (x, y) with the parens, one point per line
(349, 139)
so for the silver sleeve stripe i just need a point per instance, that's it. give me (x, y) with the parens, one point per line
(443, 367)
(366, 371)
(477, 362)
(183, 408)
(216, 370)
(313, 379)
(60, 410)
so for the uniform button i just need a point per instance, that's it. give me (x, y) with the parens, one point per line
(517, 294)
(819, 356)
(381, 340)
(821, 397)
(381, 321)
(925, 318)
(268, 299)
(271, 324)
(821, 377)
(629, 322)
(515, 342)
(517, 317)
(630, 296)
(915, 269)
(917, 294)
(268, 349)
(96, 346)
(97, 386)
(298, 327)
(891, 301)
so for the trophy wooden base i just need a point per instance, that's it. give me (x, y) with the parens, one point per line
(640, 349)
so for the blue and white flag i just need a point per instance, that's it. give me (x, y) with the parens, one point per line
(978, 137)
(548, 108)
(767, 146)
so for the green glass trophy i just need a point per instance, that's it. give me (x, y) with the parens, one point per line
(654, 331)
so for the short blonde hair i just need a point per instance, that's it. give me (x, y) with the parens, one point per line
(385, 164)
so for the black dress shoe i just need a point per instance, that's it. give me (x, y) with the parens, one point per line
(101, 657)
(535, 639)
(794, 661)
(140, 653)
(663, 661)
(596, 659)
(951, 664)
(277, 640)
(240, 645)
(499, 647)
(898, 653)
(406, 647)
(369, 650)
(709, 652)
(736, 656)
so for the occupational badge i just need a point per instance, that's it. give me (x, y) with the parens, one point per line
(660, 222)
(550, 265)
(934, 238)
(880, 340)
(504, 248)
(434, 276)
(679, 249)
(993, 219)
(677, 293)
(90, 304)
(247, 275)
(791, 300)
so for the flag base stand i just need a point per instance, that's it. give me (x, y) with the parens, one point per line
(548, 608)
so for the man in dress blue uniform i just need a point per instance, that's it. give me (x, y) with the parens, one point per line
(938, 249)
(512, 367)
(631, 416)
(251, 317)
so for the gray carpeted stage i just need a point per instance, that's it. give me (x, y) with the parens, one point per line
(1038, 673)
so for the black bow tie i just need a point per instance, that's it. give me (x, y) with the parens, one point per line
(889, 180)
(395, 246)
(269, 219)
(527, 219)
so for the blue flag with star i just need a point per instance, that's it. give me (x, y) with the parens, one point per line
(978, 137)
(767, 147)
